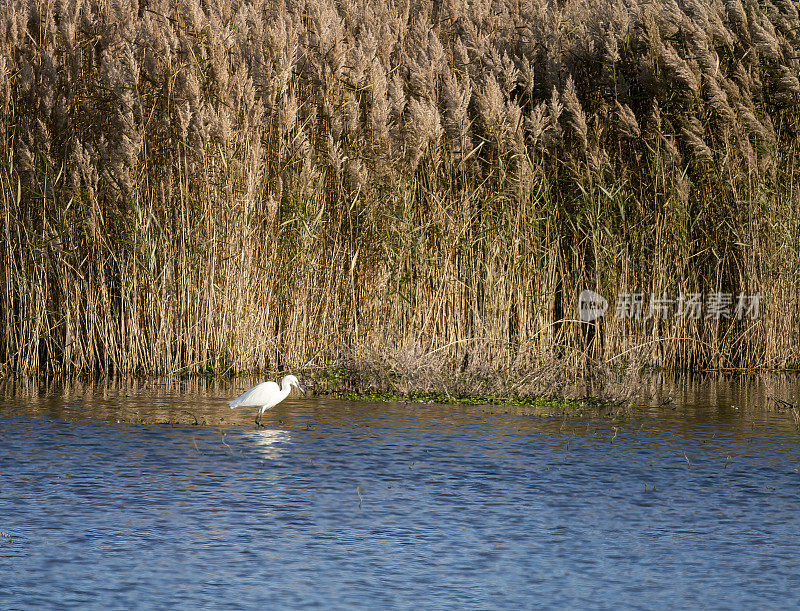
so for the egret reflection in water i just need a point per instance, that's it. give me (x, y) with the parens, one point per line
(270, 443)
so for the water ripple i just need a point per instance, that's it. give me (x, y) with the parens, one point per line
(353, 505)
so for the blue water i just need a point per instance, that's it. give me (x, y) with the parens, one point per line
(353, 505)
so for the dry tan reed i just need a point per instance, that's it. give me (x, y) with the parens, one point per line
(225, 186)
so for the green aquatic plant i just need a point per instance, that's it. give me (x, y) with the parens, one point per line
(443, 398)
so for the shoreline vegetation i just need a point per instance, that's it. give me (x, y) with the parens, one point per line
(173, 400)
(411, 192)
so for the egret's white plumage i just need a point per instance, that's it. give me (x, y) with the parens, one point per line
(266, 395)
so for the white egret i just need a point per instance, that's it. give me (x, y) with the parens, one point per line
(266, 395)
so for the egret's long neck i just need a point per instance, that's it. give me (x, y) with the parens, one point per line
(286, 388)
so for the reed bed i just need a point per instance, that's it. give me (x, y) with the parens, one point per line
(423, 187)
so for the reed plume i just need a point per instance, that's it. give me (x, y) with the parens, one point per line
(241, 185)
